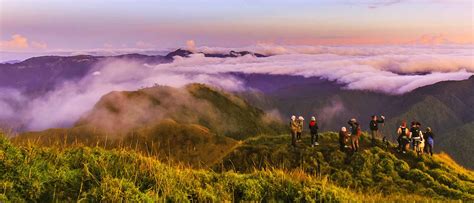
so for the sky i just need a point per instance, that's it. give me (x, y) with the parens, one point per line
(35, 26)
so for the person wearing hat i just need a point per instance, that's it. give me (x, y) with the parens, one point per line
(343, 136)
(313, 128)
(355, 134)
(293, 129)
(300, 128)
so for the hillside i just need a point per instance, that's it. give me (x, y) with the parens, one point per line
(444, 106)
(77, 173)
(373, 170)
(195, 125)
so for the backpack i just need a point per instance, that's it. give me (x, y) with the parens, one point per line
(416, 132)
(403, 135)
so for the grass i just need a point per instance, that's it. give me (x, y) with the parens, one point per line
(79, 173)
(377, 170)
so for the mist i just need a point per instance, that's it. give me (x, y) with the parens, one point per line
(386, 69)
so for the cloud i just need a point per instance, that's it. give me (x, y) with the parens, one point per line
(68, 102)
(389, 69)
(386, 69)
(191, 45)
(18, 42)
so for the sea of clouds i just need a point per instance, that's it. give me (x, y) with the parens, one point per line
(385, 69)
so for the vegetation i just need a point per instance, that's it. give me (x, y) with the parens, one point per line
(78, 173)
(373, 170)
(264, 169)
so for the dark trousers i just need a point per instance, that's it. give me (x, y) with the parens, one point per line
(293, 138)
(375, 135)
(314, 137)
(298, 135)
(342, 145)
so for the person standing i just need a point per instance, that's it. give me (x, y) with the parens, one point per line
(403, 137)
(300, 128)
(355, 134)
(293, 129)
(429, 140)
(343, 136)
(374, 127)
(313, 128)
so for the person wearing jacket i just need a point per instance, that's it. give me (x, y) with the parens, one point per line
(429, 141)
(343, 136)
(293, 129)
(313, 128)
(300, 128)
(374, 127)
(355, 134)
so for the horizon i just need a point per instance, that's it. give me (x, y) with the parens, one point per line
(33, 28)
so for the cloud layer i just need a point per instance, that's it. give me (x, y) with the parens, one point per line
(386, 69)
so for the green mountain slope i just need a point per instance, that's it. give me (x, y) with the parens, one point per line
(459, 143)
(77, 173)
(430, 112)
(444, 106)
(372, 170)
(195, 125)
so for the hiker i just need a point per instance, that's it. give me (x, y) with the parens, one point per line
(403, 137)
(414, 132)
(293, 129)
(417, 138)
(343, 136)
(300, 128)
(374, 127)
(313, 128)
(429, 141)
(355, 134)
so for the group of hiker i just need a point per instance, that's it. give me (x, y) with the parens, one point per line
(349, 136)
(420, 141)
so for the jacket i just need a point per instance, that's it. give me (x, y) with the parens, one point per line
(355, 128)
(343, 136)
(294, 126)
(300, 126)
(374, 125)
(313, 126)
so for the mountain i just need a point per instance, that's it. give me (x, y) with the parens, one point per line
(378, 169)
(37, 75)
(444, 106)
(194, 125)
(231, 54)
(261, 168)
(200, 143)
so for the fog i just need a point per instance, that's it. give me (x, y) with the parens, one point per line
(386, 69)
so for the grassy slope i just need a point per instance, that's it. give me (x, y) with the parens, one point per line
(44, 174)
(459, 143)
(166, 140)
(196, 125)
(372, 170)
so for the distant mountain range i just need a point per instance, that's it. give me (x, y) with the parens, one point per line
(40, 74)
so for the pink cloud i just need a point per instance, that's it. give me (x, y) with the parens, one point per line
(19, 42)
